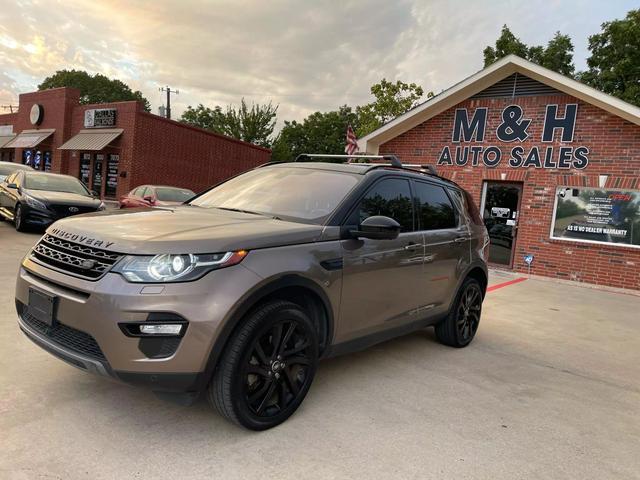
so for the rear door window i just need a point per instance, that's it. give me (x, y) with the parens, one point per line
(435, 210)
(390, 197)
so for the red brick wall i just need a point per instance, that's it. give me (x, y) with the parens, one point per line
(614, 146)
(170, 153)
(58, 105)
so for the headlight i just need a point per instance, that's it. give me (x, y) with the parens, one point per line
(174, 268)
(32, 202)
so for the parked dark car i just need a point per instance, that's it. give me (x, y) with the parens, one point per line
(31, 198)
(7, 168)
(155, 195)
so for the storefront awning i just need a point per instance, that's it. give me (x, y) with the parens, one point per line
(92, 139)
(4, 139)
(30, 138)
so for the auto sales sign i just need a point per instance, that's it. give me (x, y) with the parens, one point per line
(469, 131)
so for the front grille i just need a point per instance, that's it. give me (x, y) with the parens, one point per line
(62, 211)
(74, 258)
(66, 336)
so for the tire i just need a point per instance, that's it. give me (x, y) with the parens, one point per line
(461, 324)
(267, 367)
(18, 220)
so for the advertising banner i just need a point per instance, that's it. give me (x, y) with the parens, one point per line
(596, 215)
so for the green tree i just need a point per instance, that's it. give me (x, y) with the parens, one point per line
(253, 124)
(556, 56)
(391, 100)
(318, 133)
(506, 44)
(614, 64)
(94, 89)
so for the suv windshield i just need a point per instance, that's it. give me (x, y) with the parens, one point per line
(301, 194)
(167, 194)
(54, 183)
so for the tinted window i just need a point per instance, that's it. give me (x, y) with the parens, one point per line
(458, 203)
(435, 208)
(54, 183)
(391, 198)
(302, 194)
(166, 194)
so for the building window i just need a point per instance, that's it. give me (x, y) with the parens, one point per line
(112, 176)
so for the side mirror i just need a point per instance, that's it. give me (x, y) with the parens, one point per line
(13, 186)
(377, 228)
(95, 193)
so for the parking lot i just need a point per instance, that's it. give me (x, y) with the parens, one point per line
(550, 388)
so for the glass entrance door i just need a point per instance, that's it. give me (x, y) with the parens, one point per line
(500, 205)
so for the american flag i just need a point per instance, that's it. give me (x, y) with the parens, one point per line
(352, 142)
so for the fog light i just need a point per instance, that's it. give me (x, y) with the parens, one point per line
(160, 329)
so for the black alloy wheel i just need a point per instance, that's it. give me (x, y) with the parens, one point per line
(459, 327)
(18, 219)
(468, 317)
(277, 368)
(267, 368)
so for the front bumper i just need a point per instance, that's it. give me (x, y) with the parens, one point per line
(90, 311)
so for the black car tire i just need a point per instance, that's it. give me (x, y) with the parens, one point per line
(18, 218)
(461, 324)
(267, 367)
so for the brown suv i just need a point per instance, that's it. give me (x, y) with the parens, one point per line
(239, 292)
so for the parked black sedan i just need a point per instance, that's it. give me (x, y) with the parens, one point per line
(31, 198)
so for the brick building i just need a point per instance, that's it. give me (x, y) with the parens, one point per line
(554, 166)
(115, 147)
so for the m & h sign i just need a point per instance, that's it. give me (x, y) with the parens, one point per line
(514, 128)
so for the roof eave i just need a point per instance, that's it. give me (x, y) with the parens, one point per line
(485, 78)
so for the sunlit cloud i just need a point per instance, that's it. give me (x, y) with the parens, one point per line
(305, 56)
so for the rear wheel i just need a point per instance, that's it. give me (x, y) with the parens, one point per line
(18, 218)
(461, 325)
(267, 367)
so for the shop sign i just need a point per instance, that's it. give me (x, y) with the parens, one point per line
(514, 128)
(596, 215)
(100, 118)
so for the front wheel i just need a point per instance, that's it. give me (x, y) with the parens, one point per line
(267, 368)
(18, 218)
(461, 324)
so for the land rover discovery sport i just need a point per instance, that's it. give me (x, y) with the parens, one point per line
(240, 291)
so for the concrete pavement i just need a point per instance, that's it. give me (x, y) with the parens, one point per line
(550, 388)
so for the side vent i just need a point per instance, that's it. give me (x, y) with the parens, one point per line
(517, 85)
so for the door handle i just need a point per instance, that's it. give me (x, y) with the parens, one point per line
(412, 246)
(461, 239)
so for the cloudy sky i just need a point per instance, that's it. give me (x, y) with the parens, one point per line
(304, 55)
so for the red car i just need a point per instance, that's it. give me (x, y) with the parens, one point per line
(155, 195)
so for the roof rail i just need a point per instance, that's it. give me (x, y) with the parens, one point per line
(307, 157)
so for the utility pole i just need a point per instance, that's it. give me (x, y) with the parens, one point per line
(169, 92)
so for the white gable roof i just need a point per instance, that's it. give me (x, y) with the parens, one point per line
(485, 78)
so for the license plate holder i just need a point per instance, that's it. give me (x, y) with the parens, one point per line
(42, 306)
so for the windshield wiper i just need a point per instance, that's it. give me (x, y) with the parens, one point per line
(249, 212)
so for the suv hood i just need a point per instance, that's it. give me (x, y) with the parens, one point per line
(183, 229)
